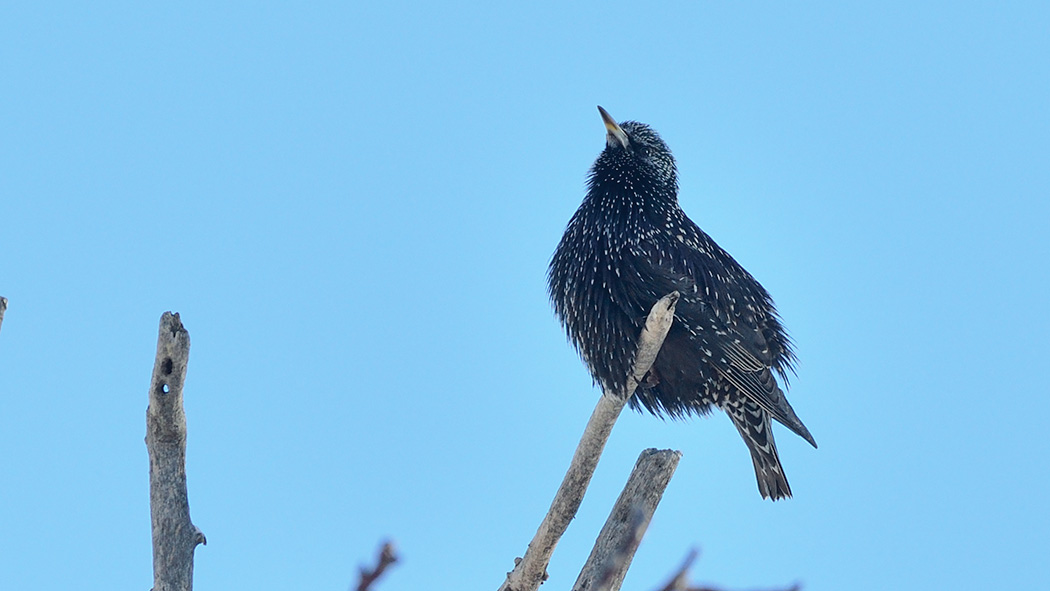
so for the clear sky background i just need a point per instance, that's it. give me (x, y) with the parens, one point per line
(353, 206)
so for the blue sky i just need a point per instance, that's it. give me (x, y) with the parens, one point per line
(352, 208)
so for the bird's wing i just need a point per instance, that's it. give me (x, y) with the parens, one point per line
(756, 381)
(729, 337)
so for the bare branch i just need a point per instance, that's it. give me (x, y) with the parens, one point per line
(387, 556)
(3, 308)
(174, 535)
(616, 544)
(795, 587)
(530, 572)
(680, 580)
(657, 325)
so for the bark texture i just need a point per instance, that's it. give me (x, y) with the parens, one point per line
(174, 535)
(616, 544)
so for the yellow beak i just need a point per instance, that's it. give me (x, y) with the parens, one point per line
(616, 136)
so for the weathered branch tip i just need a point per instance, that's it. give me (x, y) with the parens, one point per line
(387, 557)
(3, 308)
(174, 534)
(630, 516)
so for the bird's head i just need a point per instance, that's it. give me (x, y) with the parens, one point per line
(635, 149)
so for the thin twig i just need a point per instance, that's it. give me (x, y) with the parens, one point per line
(387, 556)
(680, 580)
(795, 587)
(531, 570)
(3, 308)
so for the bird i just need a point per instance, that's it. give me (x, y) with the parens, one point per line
(628, 245)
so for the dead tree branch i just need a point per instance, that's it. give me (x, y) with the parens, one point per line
(3, 308)
(616, 544)
(680, 580)
(530, 572)
(174, 535)
(387, 557)
(795, 587)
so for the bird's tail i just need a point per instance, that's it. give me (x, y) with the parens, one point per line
(752, 421)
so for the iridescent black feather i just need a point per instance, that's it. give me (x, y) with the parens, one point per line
(628, 245)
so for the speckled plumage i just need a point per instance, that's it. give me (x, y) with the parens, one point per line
(628, 245)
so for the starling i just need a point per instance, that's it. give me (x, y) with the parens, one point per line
(628, 245)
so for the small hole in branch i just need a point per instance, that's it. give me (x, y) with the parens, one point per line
(162, 388)
(166, 366)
